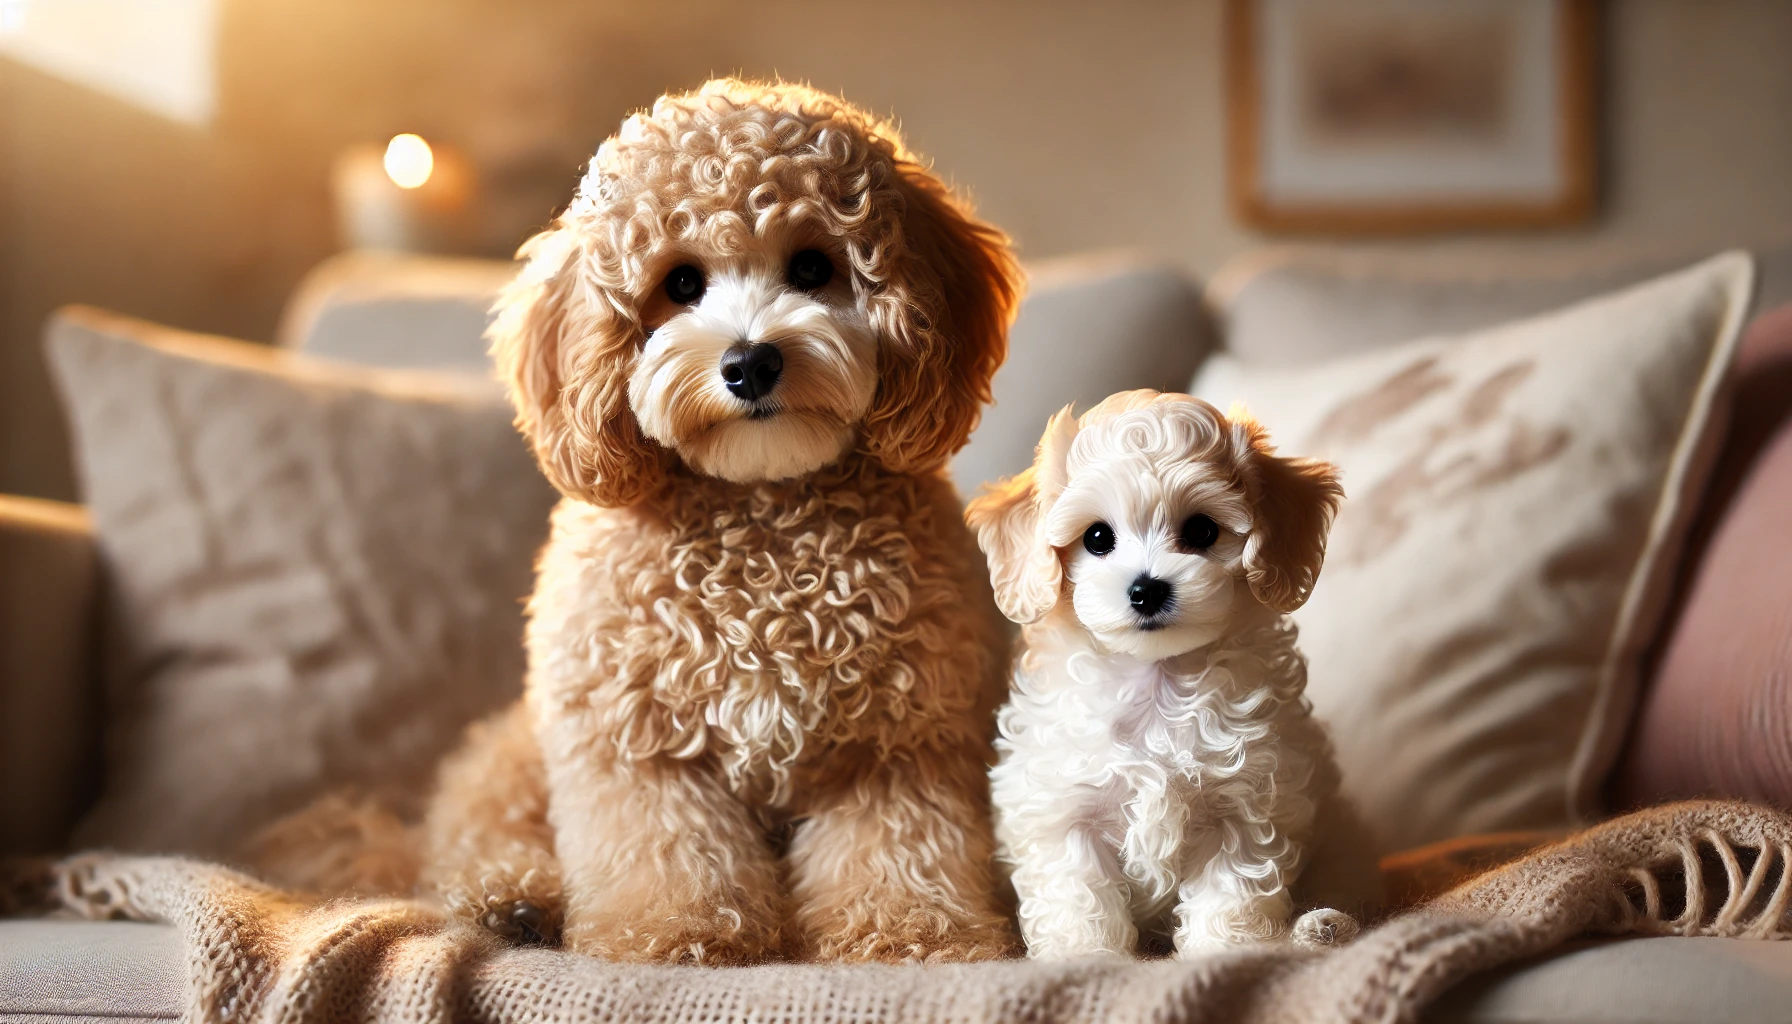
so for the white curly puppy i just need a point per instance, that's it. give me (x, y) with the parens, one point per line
(1160, 769)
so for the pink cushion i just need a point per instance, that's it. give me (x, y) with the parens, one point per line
(1717, 718)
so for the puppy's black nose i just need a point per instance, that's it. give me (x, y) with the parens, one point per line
(751, 371)
(1149, 595)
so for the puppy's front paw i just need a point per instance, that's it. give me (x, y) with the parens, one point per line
(1070, 937)
(1323, 928)
(1209, 926)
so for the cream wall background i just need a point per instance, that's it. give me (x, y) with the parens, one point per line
(1075, 125)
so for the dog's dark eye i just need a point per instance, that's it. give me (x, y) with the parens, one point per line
(1098, 539)
(810, 269)
(1199, 532)
(684, 285)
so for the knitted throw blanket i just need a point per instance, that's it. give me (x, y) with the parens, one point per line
(254, 953)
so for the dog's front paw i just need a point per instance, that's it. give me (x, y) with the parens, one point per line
(523, 912)
(521, 923)
(919, 937)
(989, 940)
(722, 938)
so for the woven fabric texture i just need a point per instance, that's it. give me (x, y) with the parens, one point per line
(255, 953)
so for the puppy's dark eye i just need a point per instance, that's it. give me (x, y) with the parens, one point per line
(811, 269)
(684, 285)
(1199, 532)
(1098, 539)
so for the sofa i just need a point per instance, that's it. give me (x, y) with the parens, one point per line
(1090, 326)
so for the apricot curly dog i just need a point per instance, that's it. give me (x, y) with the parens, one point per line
(763, 658)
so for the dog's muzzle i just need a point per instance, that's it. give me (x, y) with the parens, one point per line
(751, 371)
(1149, 596)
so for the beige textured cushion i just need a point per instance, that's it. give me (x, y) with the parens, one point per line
(317, 572)
(1516, 498)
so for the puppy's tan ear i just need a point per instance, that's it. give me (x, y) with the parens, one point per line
(961, 287)
(565, 361)
(1293, 502)
(1009, 519)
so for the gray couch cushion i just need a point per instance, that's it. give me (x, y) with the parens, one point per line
(1089, 327)
(1638, 981)
(395, 310)
(1775, 267)
(113, 971)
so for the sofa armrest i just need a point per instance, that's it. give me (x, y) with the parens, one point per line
(48, 696)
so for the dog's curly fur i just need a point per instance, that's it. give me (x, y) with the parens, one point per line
(763, 657)
(1160, 769)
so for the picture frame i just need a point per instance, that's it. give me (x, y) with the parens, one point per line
(1411, 116)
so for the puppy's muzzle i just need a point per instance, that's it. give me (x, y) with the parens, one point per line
(1149, 595)
(751, 371)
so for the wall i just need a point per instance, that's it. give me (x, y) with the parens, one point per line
(1075, 125)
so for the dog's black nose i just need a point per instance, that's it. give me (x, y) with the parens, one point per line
(751, 371)
(1149, 595)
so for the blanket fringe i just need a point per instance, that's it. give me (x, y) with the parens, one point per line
(1706, 882)
(1703, 868)
(99, 887)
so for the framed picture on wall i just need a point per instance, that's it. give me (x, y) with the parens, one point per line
(1406, 116)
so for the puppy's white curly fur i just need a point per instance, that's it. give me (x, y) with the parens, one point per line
(1163, 773)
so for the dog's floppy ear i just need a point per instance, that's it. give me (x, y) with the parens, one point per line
(1009, 518)
(565, 359)
(960, 286)
(1293, 501)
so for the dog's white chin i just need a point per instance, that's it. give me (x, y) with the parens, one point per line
(788, 444)
(1157, 644)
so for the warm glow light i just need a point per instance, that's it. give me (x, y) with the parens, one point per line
(409, 160)
(157, 55)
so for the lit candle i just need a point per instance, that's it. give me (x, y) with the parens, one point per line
(409, 196)
(409, 161)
